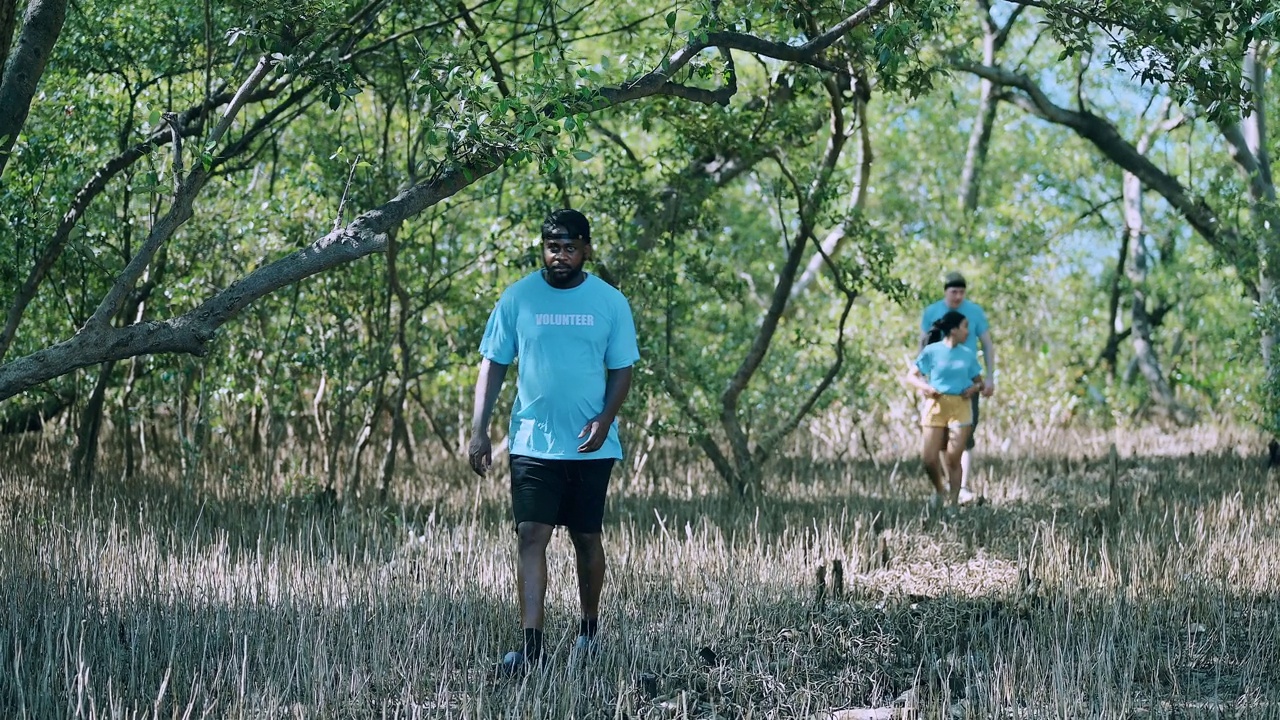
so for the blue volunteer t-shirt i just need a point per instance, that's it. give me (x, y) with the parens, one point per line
(949, 369)
(972, 312)
(566, 341)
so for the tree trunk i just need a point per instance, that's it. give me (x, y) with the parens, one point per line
(8, 24)
(1247, 141)
(1144, 350)
(1269, 319)
(356, 474)
(1111, 353)
(398, 399)
(1266, 225)
(126, 428)
(994, 38)
(979, 143)
(41, 27)
(742, 467)
(388, 469)
(84, 460)
(980, 135)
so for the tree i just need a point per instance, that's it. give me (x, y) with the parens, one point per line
(183, 198)
(520, 123)
(1211, 59)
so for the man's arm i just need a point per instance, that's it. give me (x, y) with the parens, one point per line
(616, 386)
(488, 385)
(989, 359)
(924, 340)
(976, 387)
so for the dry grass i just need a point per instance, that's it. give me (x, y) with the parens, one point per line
(1057, 598)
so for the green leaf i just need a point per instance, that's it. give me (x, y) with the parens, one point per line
(334, 101)
(154, 118)
(671, 19)
(583, 155)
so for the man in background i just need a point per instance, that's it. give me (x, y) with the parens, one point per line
(954, 289)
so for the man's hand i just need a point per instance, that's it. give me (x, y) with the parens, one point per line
(988, 388)
(480, 453)
(596, 431)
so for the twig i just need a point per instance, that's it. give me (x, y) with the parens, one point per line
(342, 204)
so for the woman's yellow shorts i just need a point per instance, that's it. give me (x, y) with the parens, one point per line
(948, 411)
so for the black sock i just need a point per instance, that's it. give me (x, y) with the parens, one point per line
(588, 626)
(532, 644)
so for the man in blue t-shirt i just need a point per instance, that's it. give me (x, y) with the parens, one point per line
(575, 341)
(954, 290)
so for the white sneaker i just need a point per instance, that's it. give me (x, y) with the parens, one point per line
(966, 496)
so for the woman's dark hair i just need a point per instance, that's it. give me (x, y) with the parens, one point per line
(943, 326)
(574, 222)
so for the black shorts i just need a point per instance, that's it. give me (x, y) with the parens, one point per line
(560, 492)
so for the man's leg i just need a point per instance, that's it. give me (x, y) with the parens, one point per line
(531, 572)
(591, 563)
(966, 458)
(531, 579)
(536, 490)
(582, 512)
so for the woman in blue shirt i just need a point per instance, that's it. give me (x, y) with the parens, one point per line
(947, 373)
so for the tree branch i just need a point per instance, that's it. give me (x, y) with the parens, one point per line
(807, 204)
(192, 332)
(184, 197)
(774, 437)
(701, 435)
(1104, 136)
(499, 78)
(188, 120)
(807, 54)
(98, 342)
(827, 39)
(830, 245)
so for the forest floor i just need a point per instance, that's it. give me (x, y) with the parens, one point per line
(1081, 584)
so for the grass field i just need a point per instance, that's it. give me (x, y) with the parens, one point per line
(1083, 587)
